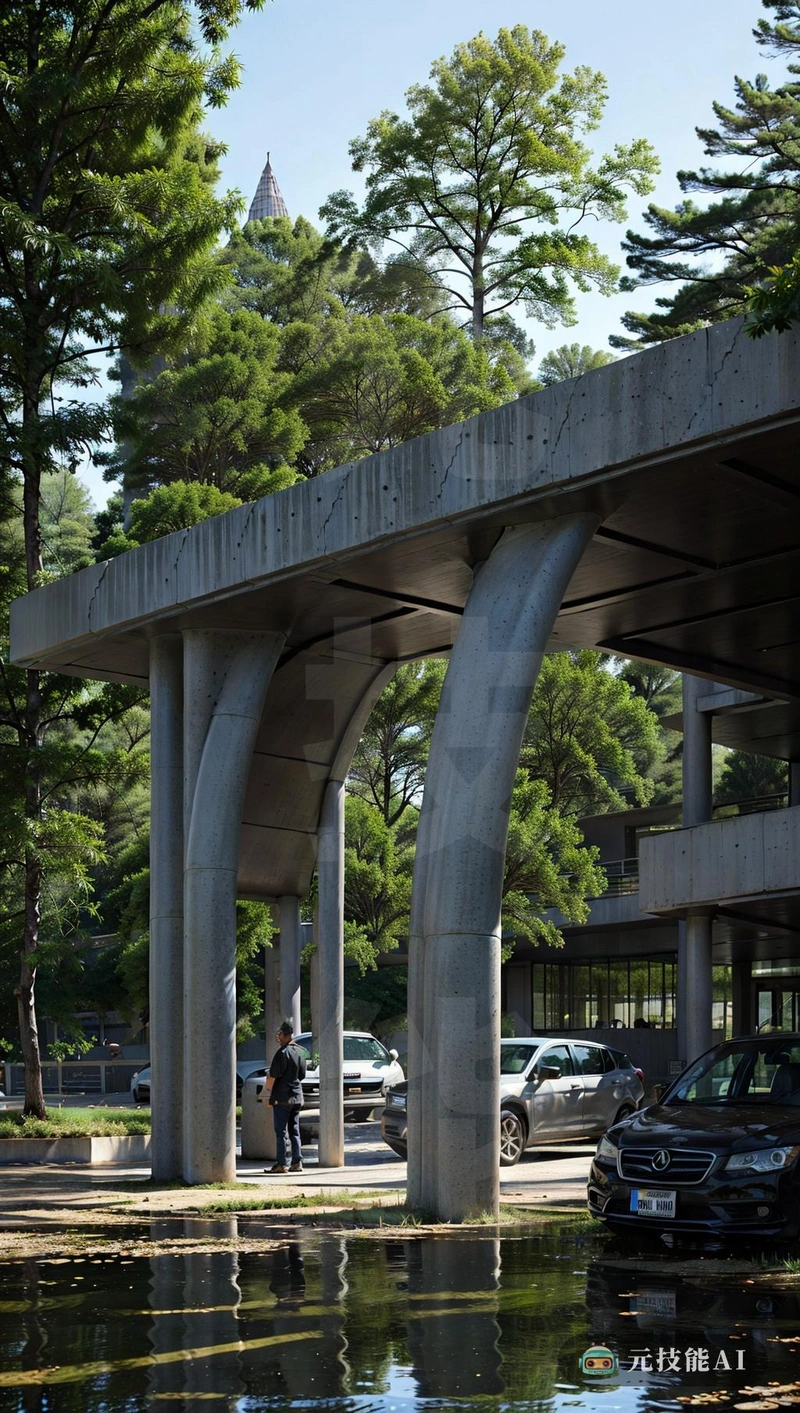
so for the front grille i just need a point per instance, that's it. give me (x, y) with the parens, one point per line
(365, 1086)
(685, 1165)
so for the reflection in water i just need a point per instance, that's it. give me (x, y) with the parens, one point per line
(334, 1324)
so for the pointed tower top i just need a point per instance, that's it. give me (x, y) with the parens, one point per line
(267, 200)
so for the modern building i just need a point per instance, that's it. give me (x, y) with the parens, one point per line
(737, 870)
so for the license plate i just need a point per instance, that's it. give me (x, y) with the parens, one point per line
(351, 1089)
(653, 1202)
(655, 1302)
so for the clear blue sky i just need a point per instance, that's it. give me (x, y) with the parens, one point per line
(316, 72)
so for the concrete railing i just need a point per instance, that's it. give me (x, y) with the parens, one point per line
(729, 860)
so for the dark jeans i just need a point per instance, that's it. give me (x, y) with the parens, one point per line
(287, 1117)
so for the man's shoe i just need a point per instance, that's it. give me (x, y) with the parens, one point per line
(276, 1168)
(296, 1168)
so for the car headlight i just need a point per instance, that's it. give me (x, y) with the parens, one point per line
(607, 1149)
(762, 1160)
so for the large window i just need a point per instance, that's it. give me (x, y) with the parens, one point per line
(614, 993)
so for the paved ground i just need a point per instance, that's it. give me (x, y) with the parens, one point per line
(45, 1195)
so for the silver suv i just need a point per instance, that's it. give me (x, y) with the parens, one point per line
(553, 1089)
(549, 1089)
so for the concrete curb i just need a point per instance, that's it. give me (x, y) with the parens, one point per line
(76, 1148)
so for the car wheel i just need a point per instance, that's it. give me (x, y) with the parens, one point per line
(512, 1138)
(361, 1116)
(398, 1149)
(624, 1113)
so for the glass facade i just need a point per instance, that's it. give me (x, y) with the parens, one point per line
(621, 992)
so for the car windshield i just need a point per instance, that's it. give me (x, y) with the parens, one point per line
(363, 1047)
(762, 1073)
(514, 1059)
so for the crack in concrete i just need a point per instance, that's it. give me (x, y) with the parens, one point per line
(448, 468)
(726, 355)
(246, 526)
(564, 419)
(178, 555)
(106, 567)
(712, 377)
(336, 499)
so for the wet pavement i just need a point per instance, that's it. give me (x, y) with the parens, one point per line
(544, 1175)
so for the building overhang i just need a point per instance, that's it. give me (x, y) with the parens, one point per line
(687, 453)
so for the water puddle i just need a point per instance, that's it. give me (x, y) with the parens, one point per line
(348, 1323)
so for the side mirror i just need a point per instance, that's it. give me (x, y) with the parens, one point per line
(548, 1072)
(394, 1054)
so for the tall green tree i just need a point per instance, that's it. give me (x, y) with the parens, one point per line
(214, 416)
(487, 180)
(107, 226)
(571, 360)
(747, 224)
(388, 767)
(588, 737)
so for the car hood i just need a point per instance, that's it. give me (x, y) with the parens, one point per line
(355, 1069)
(721, 1128)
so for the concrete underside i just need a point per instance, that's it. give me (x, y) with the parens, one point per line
(687, 453)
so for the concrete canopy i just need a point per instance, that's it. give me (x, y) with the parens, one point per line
(688, 452)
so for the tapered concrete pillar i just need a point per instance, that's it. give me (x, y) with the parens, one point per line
(273, 1014)
(695, 976)
(458, 876)
(291, 947)
(226, 677)
(330, 946)
(166, 905)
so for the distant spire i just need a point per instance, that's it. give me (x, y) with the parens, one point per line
(267, 200)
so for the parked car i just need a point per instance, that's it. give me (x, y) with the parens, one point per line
(369, 1069)
(549, 1090)
(140, 1082)
(717, 1154)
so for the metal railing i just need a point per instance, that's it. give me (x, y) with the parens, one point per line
(622, 876)
(99, 1077)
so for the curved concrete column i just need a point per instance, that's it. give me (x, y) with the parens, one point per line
(330, 948)
(290, 949)
(166, 905)
(232, 702)
(454, 1159)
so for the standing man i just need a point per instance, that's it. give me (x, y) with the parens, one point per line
(285, 1094)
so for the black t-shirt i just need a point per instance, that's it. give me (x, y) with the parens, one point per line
(287, 1069)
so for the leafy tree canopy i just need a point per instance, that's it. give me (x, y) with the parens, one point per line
(215, 417)
(748, 225)
(571, 360)
(487, 180)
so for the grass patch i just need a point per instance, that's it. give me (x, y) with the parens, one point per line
(302, 1200)
(89, 1123)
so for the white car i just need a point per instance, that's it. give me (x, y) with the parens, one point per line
(140, 1082)
(369, 1070)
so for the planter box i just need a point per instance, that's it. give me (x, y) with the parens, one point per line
(75, 1148)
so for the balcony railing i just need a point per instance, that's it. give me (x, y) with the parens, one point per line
(622, 876)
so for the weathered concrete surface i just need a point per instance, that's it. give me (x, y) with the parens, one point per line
(166, 904)
(75, 1148)
(683, 451)
(725, 863)
(455, 935)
